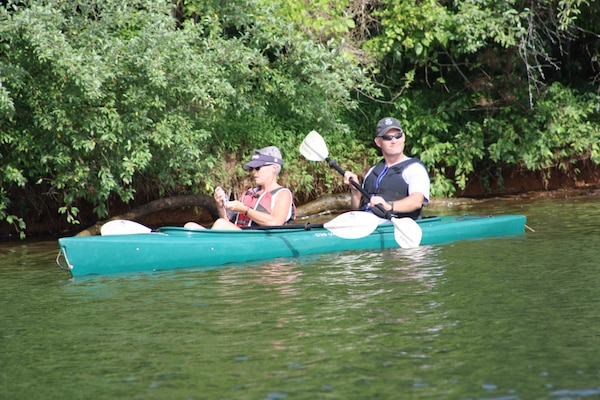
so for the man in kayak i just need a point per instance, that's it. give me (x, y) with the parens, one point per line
(268, 203)
(398, 184)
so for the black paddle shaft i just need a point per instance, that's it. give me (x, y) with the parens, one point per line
(307, 227)
(334, 165)
(365, 194)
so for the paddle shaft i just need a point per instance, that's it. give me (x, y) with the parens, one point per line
(362, 190)
(307, 227)
(334, 165)
(349, 225)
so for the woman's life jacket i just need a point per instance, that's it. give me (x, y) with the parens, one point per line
(264, 202)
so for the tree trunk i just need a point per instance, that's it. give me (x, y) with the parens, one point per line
(329, 202)
(169, 203)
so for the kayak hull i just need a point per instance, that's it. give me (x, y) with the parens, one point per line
(174, 247)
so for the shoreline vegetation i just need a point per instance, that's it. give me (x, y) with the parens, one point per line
(177, 211)
(110, 106)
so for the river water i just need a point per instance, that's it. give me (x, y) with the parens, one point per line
(509, 318)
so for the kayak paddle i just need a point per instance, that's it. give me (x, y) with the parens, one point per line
(123, 227)
(313, 148)
(407, 232)
(349, 225)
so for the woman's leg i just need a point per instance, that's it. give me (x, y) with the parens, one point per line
(224, 224)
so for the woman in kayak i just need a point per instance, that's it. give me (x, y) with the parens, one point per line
(268, 203)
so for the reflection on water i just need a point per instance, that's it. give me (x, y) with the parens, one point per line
(510, 318)
(279, 276)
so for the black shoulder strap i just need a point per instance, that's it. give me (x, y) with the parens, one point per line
(400, 166)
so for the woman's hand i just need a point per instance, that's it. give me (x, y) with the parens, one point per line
(220, 197)
(236, 206)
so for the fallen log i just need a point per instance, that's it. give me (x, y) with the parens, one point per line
(169, 203)
(327, 203)
(324, 204)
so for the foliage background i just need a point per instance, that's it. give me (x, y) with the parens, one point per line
(108, 102)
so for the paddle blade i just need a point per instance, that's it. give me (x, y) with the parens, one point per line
(407, 232)
(352, 225)
(313, 147)
(123, 227)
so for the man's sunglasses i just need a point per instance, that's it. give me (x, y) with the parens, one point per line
(390, 137)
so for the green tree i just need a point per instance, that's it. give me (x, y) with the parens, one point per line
(116, 100)
(124, 101)
(469, 76)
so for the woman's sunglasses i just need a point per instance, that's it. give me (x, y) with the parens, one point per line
(390, 137)
(258, 168)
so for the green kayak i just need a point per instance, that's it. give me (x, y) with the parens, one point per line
(174, 247)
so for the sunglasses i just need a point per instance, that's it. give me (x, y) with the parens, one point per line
(258, 168)
(390, 137)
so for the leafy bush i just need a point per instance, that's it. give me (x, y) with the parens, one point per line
(104, 102)
(117, 99)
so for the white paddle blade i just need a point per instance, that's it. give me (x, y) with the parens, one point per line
(313, 147)
(123, 227)
(407, 232)
(352, 225)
